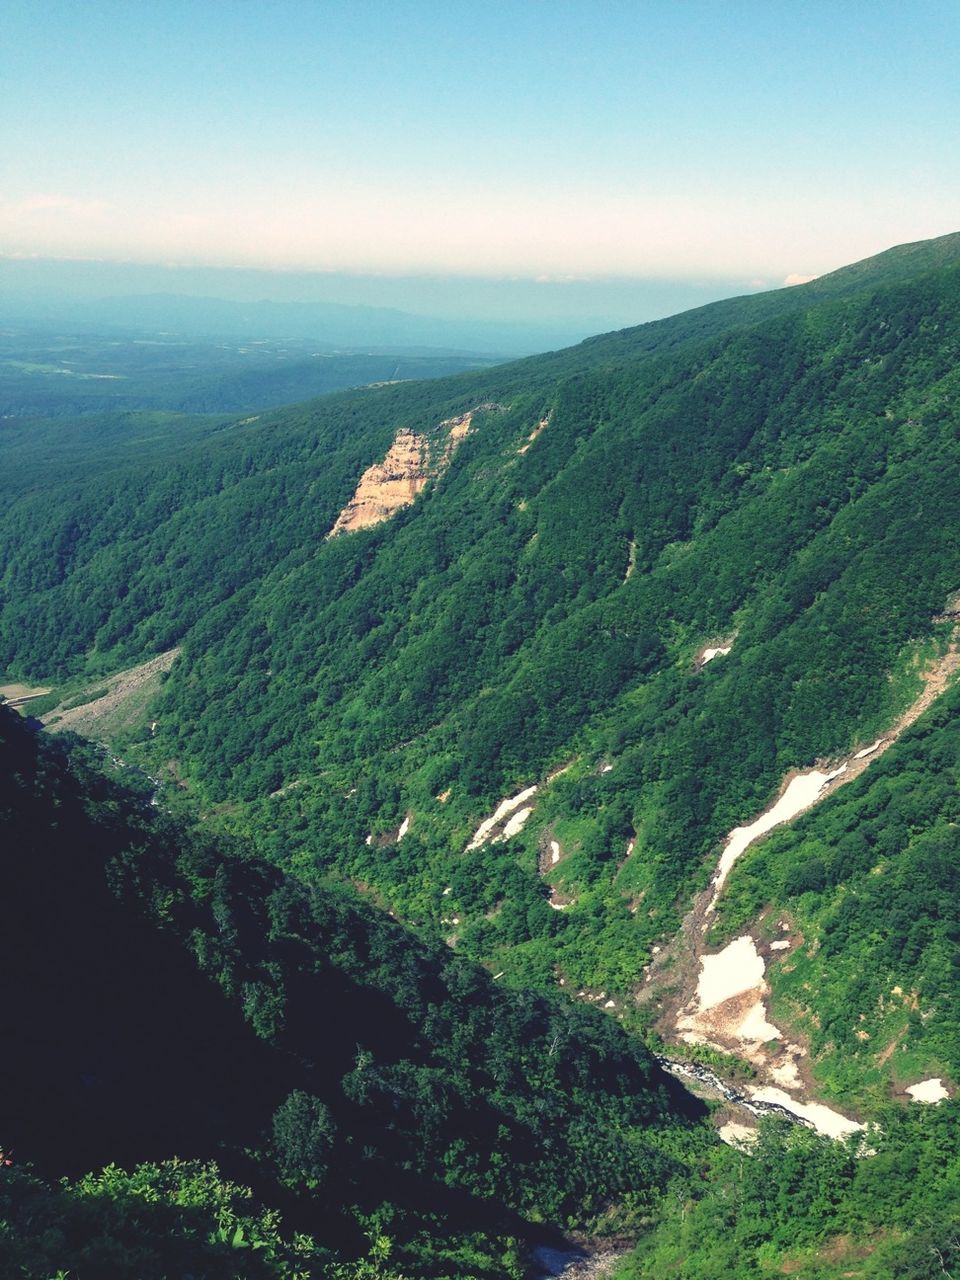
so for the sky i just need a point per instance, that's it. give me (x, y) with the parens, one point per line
(579, 144)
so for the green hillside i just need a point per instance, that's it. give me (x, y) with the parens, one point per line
(785, 481)
(47, 370)
(349, 1074)
(871, 880)
(772, 477)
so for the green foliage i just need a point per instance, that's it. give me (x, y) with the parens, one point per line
(303, 1134)
(174, 1218)
(374, 1075)
(774, 470)
(871, 880)
(807, 1206)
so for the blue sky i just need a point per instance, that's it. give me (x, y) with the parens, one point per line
(561, 140)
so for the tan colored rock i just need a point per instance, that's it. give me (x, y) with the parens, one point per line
(458, 430)
(412, 460)
(387, 486)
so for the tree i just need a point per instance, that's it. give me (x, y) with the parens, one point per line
(303, 1138)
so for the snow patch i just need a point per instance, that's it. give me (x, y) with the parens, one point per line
(736, 969)
(800, 793)
(720, 651)
(824, 1119)
(928, 1091)
(783, 944)
(730, 1000)
(514, 826)
(786, 1073)
(754, 1028)
(737, 1135)
(505, 807)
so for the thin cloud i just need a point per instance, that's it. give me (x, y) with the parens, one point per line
(43, 202)
(795, 278)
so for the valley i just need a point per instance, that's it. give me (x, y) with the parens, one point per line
(106, 715)
(180, 363)
(536, 741)
(724, 1005)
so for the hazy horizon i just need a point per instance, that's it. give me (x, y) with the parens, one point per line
(587, 305)
(587, 145)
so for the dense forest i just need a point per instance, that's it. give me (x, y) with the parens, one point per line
(49, 371)
(357, 1078)
(784, 482)
(768, 478)
(393, 1110)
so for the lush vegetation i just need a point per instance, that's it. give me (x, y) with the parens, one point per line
(871, 883)
(403, 1077)
(53, 374)
(784, 483)
(810, 1207)
(700, 477)
(773, 473)
(358, 1080)
(171, 1219)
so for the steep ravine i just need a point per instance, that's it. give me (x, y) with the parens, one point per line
(719, 999)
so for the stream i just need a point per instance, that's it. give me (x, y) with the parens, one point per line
(686, 1070)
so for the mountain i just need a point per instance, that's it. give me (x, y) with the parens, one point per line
(322, 323)
(305, 1041)
(516, 654)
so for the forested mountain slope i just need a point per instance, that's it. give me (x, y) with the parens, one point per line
(633, 587)
(80, 500)
(348, 1073)
(355, 1063)
(773, 475)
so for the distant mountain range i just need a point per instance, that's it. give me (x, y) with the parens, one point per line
(330, 325)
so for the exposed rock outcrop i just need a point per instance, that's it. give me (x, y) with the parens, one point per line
(387, 486)
(413, 459)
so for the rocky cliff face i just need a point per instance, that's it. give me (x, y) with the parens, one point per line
(387, 486)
